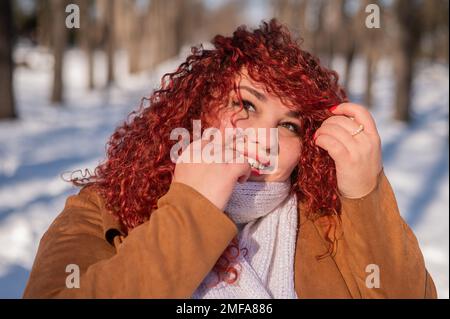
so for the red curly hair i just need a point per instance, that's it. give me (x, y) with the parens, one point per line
(138, 169)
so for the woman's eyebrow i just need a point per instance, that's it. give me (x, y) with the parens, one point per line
(294, 114)
(260, 96)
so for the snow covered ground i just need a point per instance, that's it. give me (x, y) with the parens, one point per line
(49, 141)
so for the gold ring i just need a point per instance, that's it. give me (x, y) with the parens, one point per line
(359, 130)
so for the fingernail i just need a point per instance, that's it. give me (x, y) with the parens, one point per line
(333, 108)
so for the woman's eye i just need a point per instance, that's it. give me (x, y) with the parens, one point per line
(290, 126)
(247, 105)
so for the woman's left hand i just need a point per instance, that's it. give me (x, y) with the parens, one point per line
(358, 158)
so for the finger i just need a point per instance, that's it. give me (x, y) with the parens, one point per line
(344, 121)
(339, 133)
(333, 146)
(349, 125)
(243, 167)
(231, 140)
(239, 140)
(233, 156)
(243, 178)
(360, 114)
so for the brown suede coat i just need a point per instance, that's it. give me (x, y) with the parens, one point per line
(169, 255)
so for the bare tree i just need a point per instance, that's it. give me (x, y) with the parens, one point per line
(332, 35)
(7, 107)
(285, 11)
(106, 23)
(318, 11)
(294, 14)
(154, 32)
(110, 40)
(189, 23)
(368, 42)
(408, 40)
(435, 16)
(164, 41)
(224, 19)
(87, 37)
(346, 42)
(135, 22)
(59, 41)
(44, 23)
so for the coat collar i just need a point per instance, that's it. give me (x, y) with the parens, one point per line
(112, 226)
(113, 229)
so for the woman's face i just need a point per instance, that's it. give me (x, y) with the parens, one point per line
(263, 110)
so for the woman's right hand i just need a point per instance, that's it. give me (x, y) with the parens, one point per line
(213, 180)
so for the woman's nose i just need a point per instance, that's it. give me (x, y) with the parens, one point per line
(266, 139)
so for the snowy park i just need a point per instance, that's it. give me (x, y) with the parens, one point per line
(46, 142)
(50, 141)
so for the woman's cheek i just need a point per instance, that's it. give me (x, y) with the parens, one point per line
(289, 156)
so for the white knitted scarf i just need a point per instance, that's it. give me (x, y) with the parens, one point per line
(266, 216)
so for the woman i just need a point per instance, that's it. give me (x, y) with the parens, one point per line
(322, 222)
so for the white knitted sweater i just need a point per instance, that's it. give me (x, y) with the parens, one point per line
(266, 216)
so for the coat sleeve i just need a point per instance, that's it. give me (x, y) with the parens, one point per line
(382, 251)
(165, 257)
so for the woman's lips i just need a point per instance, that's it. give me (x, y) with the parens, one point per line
(258, 168)
(256, 164)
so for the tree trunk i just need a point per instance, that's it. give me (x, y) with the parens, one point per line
(87, 39)
(409, 33)
(334, 18)
(110, 40)
(7, 106)
(135, 22)
(319, 30)
(59, 37)
(162, 44)
(349, 56)
(44, 23)
(370, 70)
(369, 44)
(404, 76)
